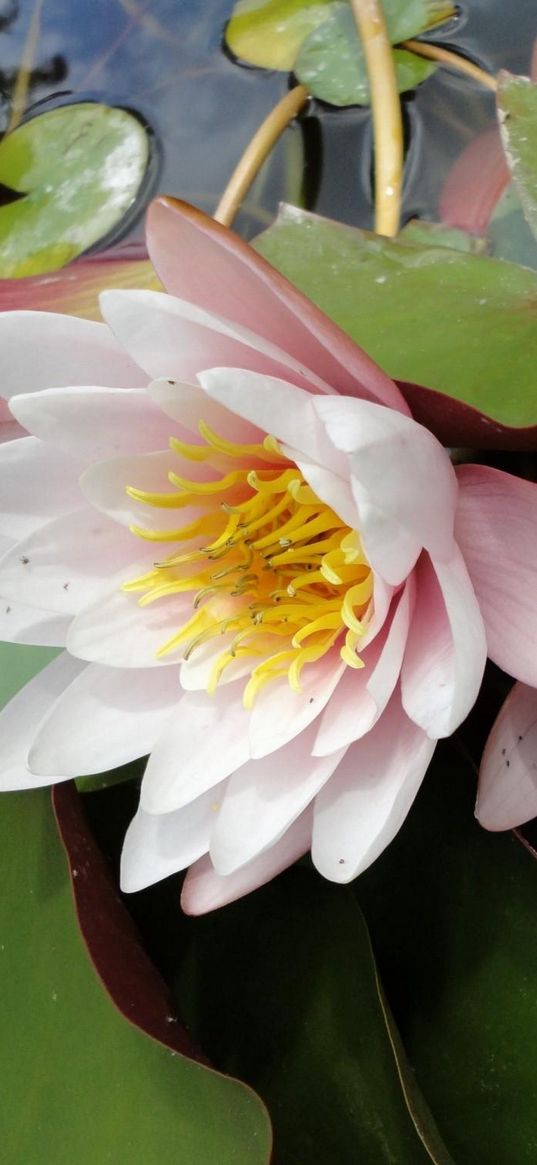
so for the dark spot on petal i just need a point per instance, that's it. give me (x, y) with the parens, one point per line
(66, 586)
(504, 750)
(342, 861)
(24, 560)
(507, 764)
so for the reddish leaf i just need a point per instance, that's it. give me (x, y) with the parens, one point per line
(456, 423)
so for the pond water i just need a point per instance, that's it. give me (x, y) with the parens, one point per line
(164, 60)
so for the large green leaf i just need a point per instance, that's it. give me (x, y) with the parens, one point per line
(452, 915)
(459, 323)
(281, 989)
(331, 62)
(517, 111)
(79, 1083)
(80, 168)
(269, 33)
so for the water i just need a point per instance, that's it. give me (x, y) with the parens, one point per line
(163, 59)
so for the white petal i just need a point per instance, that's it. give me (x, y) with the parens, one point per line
(118, 632)
(20, 623)
(188, 404)
(107, 717)
(43, 349)
(205, 740)
(157, 845)
(65, 564)
(446, 651)
(205, 890)
(366, 801)
(36, 484)
(93, 423)
(263, 799)
(104, 484)
(275, 406)
(361, 696)
(279, 713)
(20, 719)
(402, 479)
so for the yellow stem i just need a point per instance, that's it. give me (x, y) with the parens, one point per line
(20, 91)
(257, 150)
(386, 112)
(451, 61)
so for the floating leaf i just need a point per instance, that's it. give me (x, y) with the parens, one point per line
(509, 233)
(331, 62)
(73, 1070)
(80, 168)
(452, 915)
(306, 1024)
(419, 232)
(461, 324)
(517, 112)
(269, 33)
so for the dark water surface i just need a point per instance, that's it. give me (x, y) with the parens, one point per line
(164, 60)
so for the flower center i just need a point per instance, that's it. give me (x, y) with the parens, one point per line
(271, 568)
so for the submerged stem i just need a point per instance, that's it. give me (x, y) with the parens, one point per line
(256, 152)
(451, 61)
(386, 112)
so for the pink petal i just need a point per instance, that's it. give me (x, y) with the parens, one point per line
(496, 528)
(205, 740)
(93, 423)
(64, 564)
(403, 482)
(21, 717)
(366, 801)
(75, 289)
(446, 650)
(205, 890)
(279, 714)
(185, 245)
(170, 337)
(36, 484)
(263, 799)
(157, 845)
(105, 718)
(507, 791)
(43, 350)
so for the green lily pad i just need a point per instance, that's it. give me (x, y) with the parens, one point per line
(419, 232)
(307, 1025)
(269, 33)
(331, 62)
(79, 1083)
(510, 235)
(451, 910)
(517, 112)
(462, 324)
(79, 168)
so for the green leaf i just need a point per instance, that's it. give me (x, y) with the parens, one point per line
(452, 915)
(331, 62)
(517, 112)
(80, 168)
(269, 33)
(418, 233)
(73, 1070)
(462, 324)
(281, 988)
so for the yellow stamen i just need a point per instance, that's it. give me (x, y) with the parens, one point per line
(281, 572)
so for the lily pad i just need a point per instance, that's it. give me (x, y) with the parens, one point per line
(452, 915)
(517, 112)
(331, 62)
(462, 324)
(509, 233)
(79, 168)
(269, 33)
(73, 1070)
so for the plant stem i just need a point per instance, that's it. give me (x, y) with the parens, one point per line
(20, 91)
(257, 150)
(451, 61)
(386, 112)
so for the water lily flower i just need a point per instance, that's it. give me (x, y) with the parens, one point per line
(257, 564)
